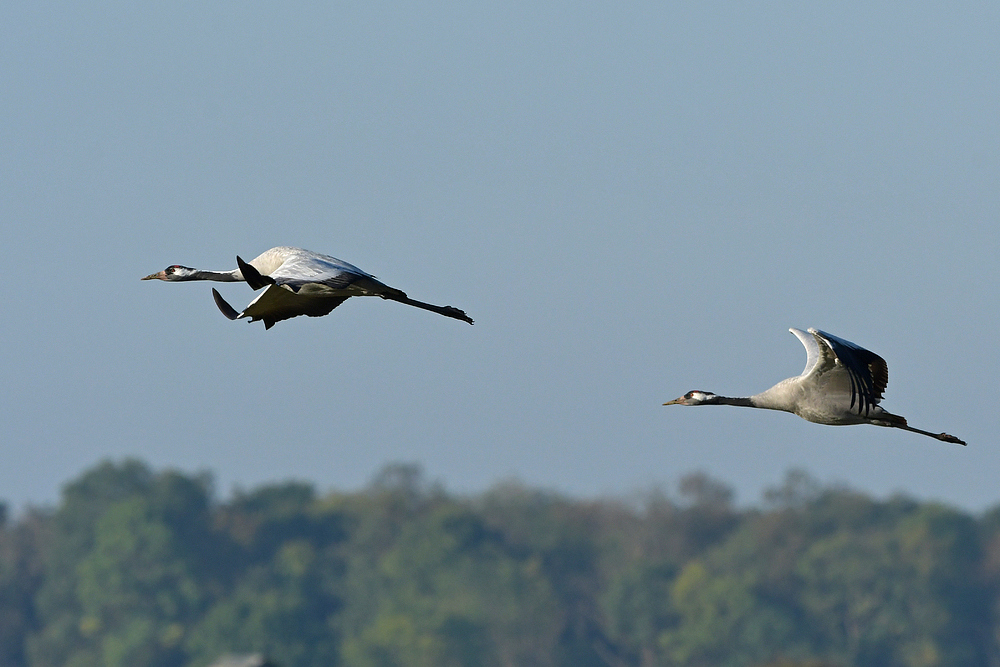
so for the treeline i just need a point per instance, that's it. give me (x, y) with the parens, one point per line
(138, 568)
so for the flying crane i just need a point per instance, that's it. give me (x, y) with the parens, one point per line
(297, 282)
(842, 384)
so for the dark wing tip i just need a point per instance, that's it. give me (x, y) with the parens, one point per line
(253, 277)
(226, 309)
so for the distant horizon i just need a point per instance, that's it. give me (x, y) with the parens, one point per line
(671, 490)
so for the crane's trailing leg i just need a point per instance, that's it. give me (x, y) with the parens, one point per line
(944, 437)
(447, 311)
(897, 421)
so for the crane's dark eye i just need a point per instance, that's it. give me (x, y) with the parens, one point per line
(169, 269)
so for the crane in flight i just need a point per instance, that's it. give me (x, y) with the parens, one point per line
(297, 282)
(842, 384)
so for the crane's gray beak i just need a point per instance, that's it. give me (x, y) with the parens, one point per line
(152, 276)
(676, 401)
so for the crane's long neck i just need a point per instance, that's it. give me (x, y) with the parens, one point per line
(234, 276)
(740, 401)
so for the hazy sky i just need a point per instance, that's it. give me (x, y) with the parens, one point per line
(631, 199)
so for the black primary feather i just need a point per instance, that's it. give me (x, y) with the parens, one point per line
(868, 371)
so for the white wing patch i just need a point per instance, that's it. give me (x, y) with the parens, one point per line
(812, 350)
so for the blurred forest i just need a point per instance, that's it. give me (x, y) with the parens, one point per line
(139, 568)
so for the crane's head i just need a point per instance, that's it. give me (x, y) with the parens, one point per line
(173, 273)
(695, 398)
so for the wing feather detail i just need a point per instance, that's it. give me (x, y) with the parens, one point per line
(868, 372)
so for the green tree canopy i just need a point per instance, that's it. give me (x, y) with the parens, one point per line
(146, 569)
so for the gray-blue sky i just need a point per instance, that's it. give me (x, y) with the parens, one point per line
(631, 200)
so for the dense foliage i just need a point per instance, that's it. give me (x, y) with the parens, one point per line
(137, 568)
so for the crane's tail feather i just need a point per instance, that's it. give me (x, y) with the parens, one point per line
(253, 276)
(224, 306)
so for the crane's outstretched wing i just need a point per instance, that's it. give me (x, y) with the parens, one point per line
(277, 303)
(317, 273)
(867, 371)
